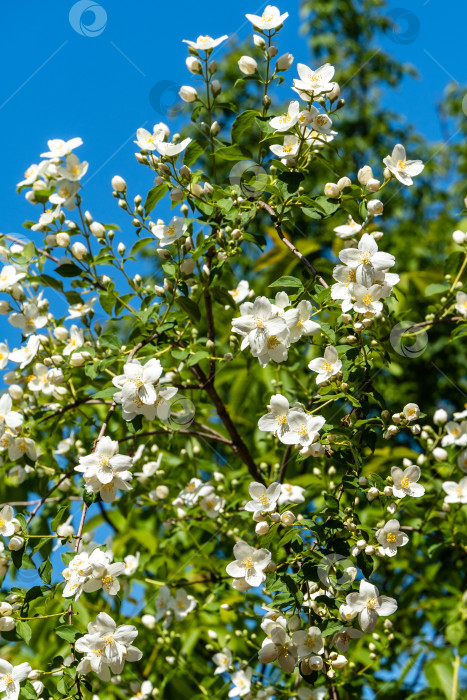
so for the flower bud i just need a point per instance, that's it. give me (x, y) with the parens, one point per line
(215, 128)
(275, 517)
(60, 333)
(149, 621)
(294, 623)
(16, 543)
(440, 417)
(79, 250)
(62, 239)
(97, 229)
(15, 391)
(187, 266)
(459, 237)
(288, 518)
(118, 183)
(375, 207)
(7, 624)
(344, 182)
(372, 493)
(247, 65)
(261, 528)
(365, 174)
(373, 185)
(440, 454)
(188, 93)
(334, 93)
(193, 65)
(331, 189)
(216, 87)
(259, 41)
(284, 62)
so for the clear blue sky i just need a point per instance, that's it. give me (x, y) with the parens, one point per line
(59, 83)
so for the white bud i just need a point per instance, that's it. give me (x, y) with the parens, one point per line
(344, 182)
(62, 239)
(284, 62)
(362, 480)
(261, 528)
(247, 65)
(215, 128)
(387, 491)
(77, 359)
(60, 333)
(149, 621)
(79, 250)
(440, 416)
(458, 237)
(294, 623)
(440, 454)
(375, 207)
(365, 174)
(331, 189)
(193, 65)
(373, 185)
(392, 508)
(118, 183)
(97, 229)
(369, 550)
(339, 662)
(16, 543)
(7, 624)
(334, 93)
(187, 266)
(216, 87)
(288, 518)
(346, 318)
(372, 493)
(188, 93)
(259, 41)
(275, 517)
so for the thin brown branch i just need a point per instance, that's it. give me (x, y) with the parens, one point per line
(289, 244)
(193, 433)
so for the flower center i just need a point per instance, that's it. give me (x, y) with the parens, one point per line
(321, 120)
(371, 603)
(204, 39)
(391, 537)
(248, 563)
(284, 118)
(302, 429)
(2, 523)
(7, 679)
(365, 258)
(367, 299)
(107, 581)
(272, 342)
(282, 420)
(327, 366)
(402, 164)
(263, 499)
(288, 148)
(170, 230)
(405, 482)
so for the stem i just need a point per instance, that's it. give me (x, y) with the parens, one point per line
(289, 244)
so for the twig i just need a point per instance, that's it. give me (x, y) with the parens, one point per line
(289, 244)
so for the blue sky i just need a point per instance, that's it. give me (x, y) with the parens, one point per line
(60, 83)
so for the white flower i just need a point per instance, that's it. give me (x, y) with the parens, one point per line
(20, 446)
(367, 298)
(75, 341)
(367, 254)
(312, 693)
(137, 381)
(309, 642)
(319, 122)
(313, 82)
(287, 120)
(288, 149)
(390, 538)
(402, 168)
(182, 604)
(303, 428)
(169, 149)
(242, 683)
(8, 522)
(4, 355)
(247, 65)
(369, 605)
(141, 692)
(59, 148)
(212, 505)
(188, 93)
(270, 19)
(170, 233)
(249, 563)
(29, 320)
(351, 228)
(11, 677)
(146, 140)
(278, 645)
(74, 169)
(462, 461)
(131, 562)
(105, 470)
(341, 640)
(276, 420)
(194, 490)
(327, 366)
(222, 660)
(461, 303)
(266, 333)
(291, 494)
(10, 419)
(81, 309)
(456, 434)
(9, 276)
(456, 493)
(106, 646)
(205, 43)
(411, 411)
(240, 292)
(65, 192)
(405, 482)
(304, 325)
(264, 500)
(164, 605)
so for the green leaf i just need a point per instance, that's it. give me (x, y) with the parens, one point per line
(142, 243)
(288, 183)
(24, 631)
(439, 675)
(190, 308)
(331, 627)
(365, 563)
(58, 518)
(67, 632)
(105, 393)
(27, 691)
(436, 289)
(197, 357)
(154, 195)
(331, 502)
(45, 571)
(193, 151)
(287, 281)
(243, 123)
(68, 270)
(233, 152)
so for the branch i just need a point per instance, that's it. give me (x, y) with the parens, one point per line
(207, 435)
(289, 244)
(422, 324)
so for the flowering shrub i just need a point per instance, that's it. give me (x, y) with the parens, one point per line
(207, 490)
